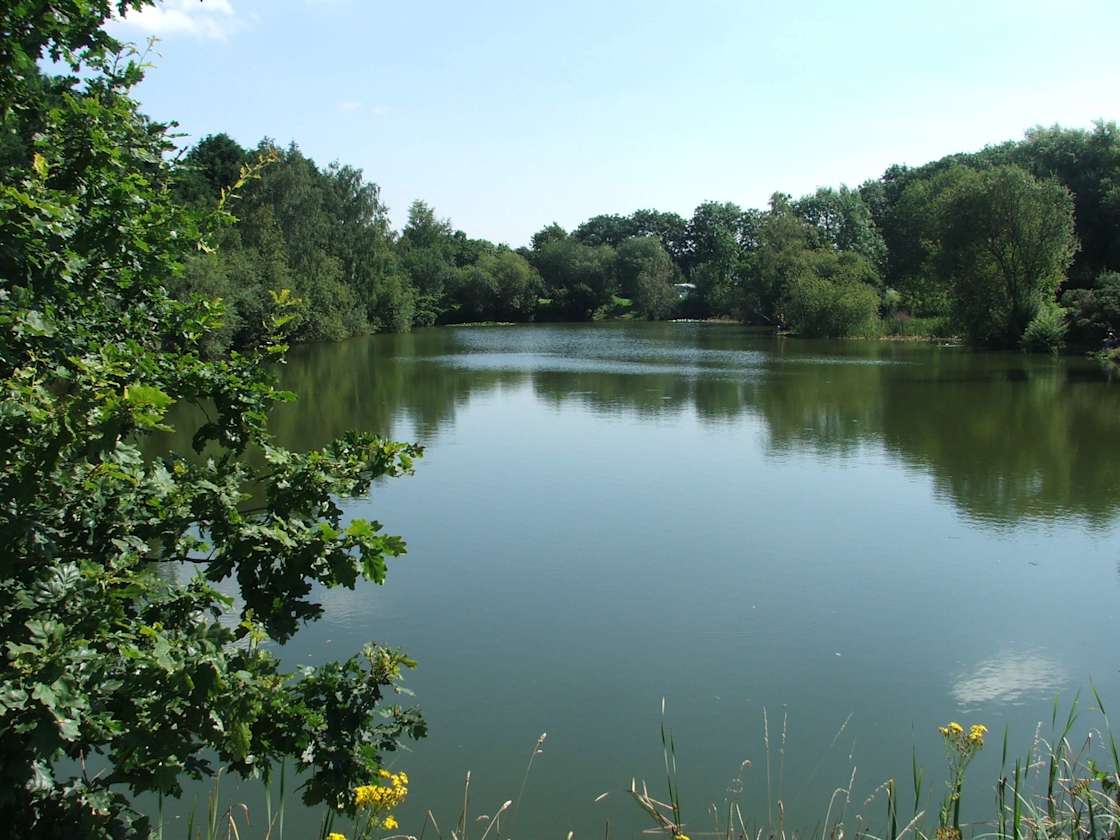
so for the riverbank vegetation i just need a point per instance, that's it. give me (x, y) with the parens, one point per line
(1064, 784)
(1010, 246)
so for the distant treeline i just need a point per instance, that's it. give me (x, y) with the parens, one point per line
(1014, 245)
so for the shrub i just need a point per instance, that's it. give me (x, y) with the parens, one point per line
(1046, 332)
(821, 307)
(1094, 312)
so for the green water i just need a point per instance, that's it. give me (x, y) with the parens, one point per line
(863, 539)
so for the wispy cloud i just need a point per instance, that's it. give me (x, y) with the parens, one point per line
(349, 105)
(214, 19)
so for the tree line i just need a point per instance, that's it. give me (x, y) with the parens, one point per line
(1017, 244)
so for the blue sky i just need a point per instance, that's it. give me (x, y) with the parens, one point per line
(506, 116)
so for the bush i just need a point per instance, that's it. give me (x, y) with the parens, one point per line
(1109, 360)
(1046, 333)
(821, 307)
(1094, 312)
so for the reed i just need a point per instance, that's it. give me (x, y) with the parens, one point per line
(1060, 789)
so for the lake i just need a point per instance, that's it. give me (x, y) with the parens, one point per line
(863, 539)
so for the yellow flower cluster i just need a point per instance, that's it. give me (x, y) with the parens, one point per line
(954, 733)
(383, 797)
(334, 835)
(681, 837)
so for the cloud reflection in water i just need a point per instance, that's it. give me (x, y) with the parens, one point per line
(1008, 678)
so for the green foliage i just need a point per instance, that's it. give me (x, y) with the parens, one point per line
(579, 278)
(713, 224)
(609, 229)
(1094, 313)
(830, 296)
(914, 230)
(670, 228)
(322, 233)
(903, 325)
(1109, 361)
(326, 235)
(210, 168)
(903, 202)
(501, 286)
(518, 286)
(109, 601)
(547, 234)
(646, 274)
(1006, 241)
(784, 246)
(842, 220)
(1046, 333)
(1087, 163)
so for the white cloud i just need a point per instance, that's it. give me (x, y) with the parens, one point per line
(214, 19)
(349, 106)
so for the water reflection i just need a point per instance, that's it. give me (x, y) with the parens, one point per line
(1004, 437)
(1009, 677)
(601, 500)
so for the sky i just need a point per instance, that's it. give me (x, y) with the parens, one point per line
(506, 116)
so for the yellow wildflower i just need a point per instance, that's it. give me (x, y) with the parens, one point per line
(681, 837)
(334, 835)
(385, 796)
(955, 728)
(367, 795)
(390, 823)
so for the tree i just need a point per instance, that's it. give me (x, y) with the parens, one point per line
(423, 230)
(579, 278)
(500, 286)
(715, 223)
(717, 277)
(1006, 241)
(646, 273)
(785, 242)
(670, 228)
(914, 230)
(108, 605)
(608, 229)
(843, 221)
(213, 165)
(547, 234)
(1088, 164)
(518, 286)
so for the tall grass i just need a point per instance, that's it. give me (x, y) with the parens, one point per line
(1059, 789)
(904, 326)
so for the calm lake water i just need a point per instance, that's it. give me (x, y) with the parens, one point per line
(862, 539)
